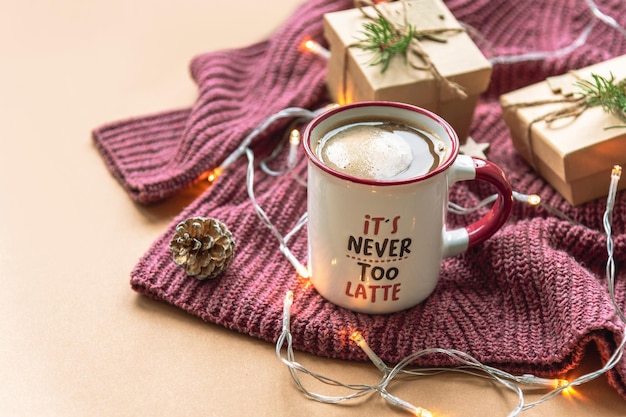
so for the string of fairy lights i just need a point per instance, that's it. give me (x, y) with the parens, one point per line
(466, 364)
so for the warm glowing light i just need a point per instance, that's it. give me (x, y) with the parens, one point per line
(342, 98)
(294, 137)
(422, 412)
(214, 174)
(357, 337)
(616, 172)
(304, 283)
(303, 271)
(311, 46)
(294, 142)
(558, 383)
(534, 200)
(565, 387)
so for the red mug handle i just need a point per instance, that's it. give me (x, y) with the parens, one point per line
(471, 168)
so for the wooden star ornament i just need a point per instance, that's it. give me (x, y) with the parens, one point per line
(473, 148)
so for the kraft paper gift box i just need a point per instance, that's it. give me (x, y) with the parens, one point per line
(574, 154)
(352, 77)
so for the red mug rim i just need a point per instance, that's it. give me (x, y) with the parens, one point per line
(434, 117)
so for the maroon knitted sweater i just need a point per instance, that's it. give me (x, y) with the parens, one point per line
(528, 300)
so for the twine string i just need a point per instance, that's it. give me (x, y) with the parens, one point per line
(577, 104)
(417, 56)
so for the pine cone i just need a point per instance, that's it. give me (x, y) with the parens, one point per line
(203, 246)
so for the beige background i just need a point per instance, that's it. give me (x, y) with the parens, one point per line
(75, 340)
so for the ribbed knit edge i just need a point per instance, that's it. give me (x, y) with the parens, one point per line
(136, 151)
(155, 157)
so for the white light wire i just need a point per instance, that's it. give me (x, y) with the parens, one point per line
(543, 55)
(607, 222)
(532, 200)
(284, 249)
(298, 114)
(290, 112)
(604, 18)
(295, 367)
(278, 149)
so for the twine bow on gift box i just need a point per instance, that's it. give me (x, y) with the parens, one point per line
(579, 96)
(600, 91)
(386, 38)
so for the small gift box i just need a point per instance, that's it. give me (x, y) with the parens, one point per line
(572, 145)
(454, 57)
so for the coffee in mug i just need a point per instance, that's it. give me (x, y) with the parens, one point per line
(381, 150)
(378, 181)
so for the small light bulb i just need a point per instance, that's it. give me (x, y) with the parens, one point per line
(311, 46)
(534, 200)
(398, 402)
(422, 412)
(294, 137)
(289, 298)
(559, 383)
(357, 338)
(616, 172)
(287, 303)
(564, 386)
(303, 271)
(214, 174)
(294, 142)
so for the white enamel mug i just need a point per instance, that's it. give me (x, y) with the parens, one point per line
(376, 246)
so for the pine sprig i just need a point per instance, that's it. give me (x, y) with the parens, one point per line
(384, 41)
(605, 92)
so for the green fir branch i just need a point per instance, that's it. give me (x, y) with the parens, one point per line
(384, 42)
(606, 93)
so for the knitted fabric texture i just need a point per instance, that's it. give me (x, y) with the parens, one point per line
(528, 300)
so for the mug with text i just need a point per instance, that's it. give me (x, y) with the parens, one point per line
(378, 181)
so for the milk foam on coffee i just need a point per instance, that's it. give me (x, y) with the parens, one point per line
(380, 150)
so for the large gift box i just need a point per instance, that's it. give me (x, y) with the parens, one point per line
(352, 77)
(575, 154)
